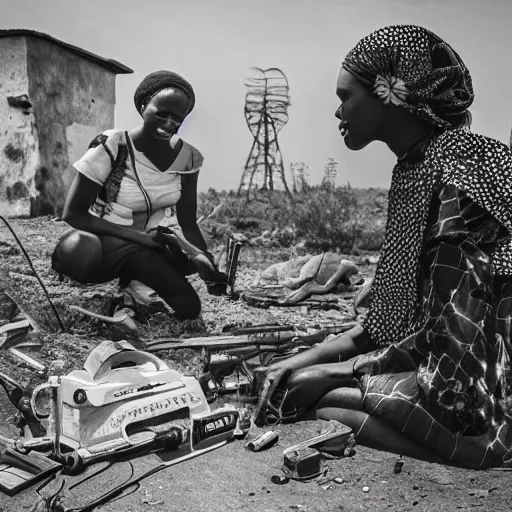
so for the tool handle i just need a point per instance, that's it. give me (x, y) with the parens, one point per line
(33, 401)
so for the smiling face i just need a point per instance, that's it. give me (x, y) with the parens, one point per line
(165, 112)
(362, 114)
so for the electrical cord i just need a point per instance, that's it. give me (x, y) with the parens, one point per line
(61, 325)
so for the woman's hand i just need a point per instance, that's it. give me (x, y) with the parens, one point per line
(156, 239)
(266, 381)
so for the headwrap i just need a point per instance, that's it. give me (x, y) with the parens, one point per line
(158, 81)
(411, 67)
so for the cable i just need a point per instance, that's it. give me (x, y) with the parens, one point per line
(61, 325)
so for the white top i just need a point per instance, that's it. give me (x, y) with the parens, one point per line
(123, 203)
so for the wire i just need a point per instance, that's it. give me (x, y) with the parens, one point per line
(61, 325)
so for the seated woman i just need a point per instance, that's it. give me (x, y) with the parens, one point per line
(428, 373)
(124, 183)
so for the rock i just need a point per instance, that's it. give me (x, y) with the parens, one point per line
(442, 477)
(399, 464)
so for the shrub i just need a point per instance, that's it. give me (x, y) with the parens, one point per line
(324, 218)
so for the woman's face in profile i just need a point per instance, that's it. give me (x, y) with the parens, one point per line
(165, 112)
(361, 112)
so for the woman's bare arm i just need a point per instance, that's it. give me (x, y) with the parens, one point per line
(186, 211)
(81, 195)
(340, 348)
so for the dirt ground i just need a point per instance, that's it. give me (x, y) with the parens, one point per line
(230, 478)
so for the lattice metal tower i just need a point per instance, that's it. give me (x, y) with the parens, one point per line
(266, 112)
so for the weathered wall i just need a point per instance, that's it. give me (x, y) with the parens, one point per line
(73, 100)
(19, 157)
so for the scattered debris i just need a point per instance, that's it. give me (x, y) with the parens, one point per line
(399, 464)
(15, 333)
(326, 480)
(481, 493)
(335, 439)
(114, 370)
(29, 361)
(442, 476)
(19, 471)
(302, 464)
(279, 479)
(122, 318)
(303, 461)
(350, 448)
(238, 433)
(306, 275)
(263, 441)
(148, 500)
(13, 389)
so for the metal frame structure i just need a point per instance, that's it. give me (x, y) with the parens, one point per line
(266, 112)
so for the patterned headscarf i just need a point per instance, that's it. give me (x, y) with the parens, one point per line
(158, 81)
(410, 66)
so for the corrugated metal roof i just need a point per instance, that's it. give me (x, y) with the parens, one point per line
(111, 65)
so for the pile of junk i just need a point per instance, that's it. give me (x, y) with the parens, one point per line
(126, 407)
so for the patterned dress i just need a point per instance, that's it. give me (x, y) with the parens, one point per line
(448, 384)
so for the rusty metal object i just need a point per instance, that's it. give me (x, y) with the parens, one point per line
(303, 461)
(302, 464)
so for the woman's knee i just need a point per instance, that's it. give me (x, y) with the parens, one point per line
(342, 398)
(77, 255)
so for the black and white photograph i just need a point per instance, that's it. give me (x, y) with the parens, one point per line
(256, 255)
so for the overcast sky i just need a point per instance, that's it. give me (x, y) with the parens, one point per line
(214, 42)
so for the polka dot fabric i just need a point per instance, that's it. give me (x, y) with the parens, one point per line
(394, 312)
(482, 168)
(439, 86)
(448, 387)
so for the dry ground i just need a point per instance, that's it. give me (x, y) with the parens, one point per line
(230, 478)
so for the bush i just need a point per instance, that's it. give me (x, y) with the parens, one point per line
(324, 218)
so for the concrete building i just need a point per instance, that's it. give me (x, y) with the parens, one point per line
(54, 98)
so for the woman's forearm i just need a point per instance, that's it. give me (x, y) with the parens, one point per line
(98, 226)
(334, 350)
(194, 236)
